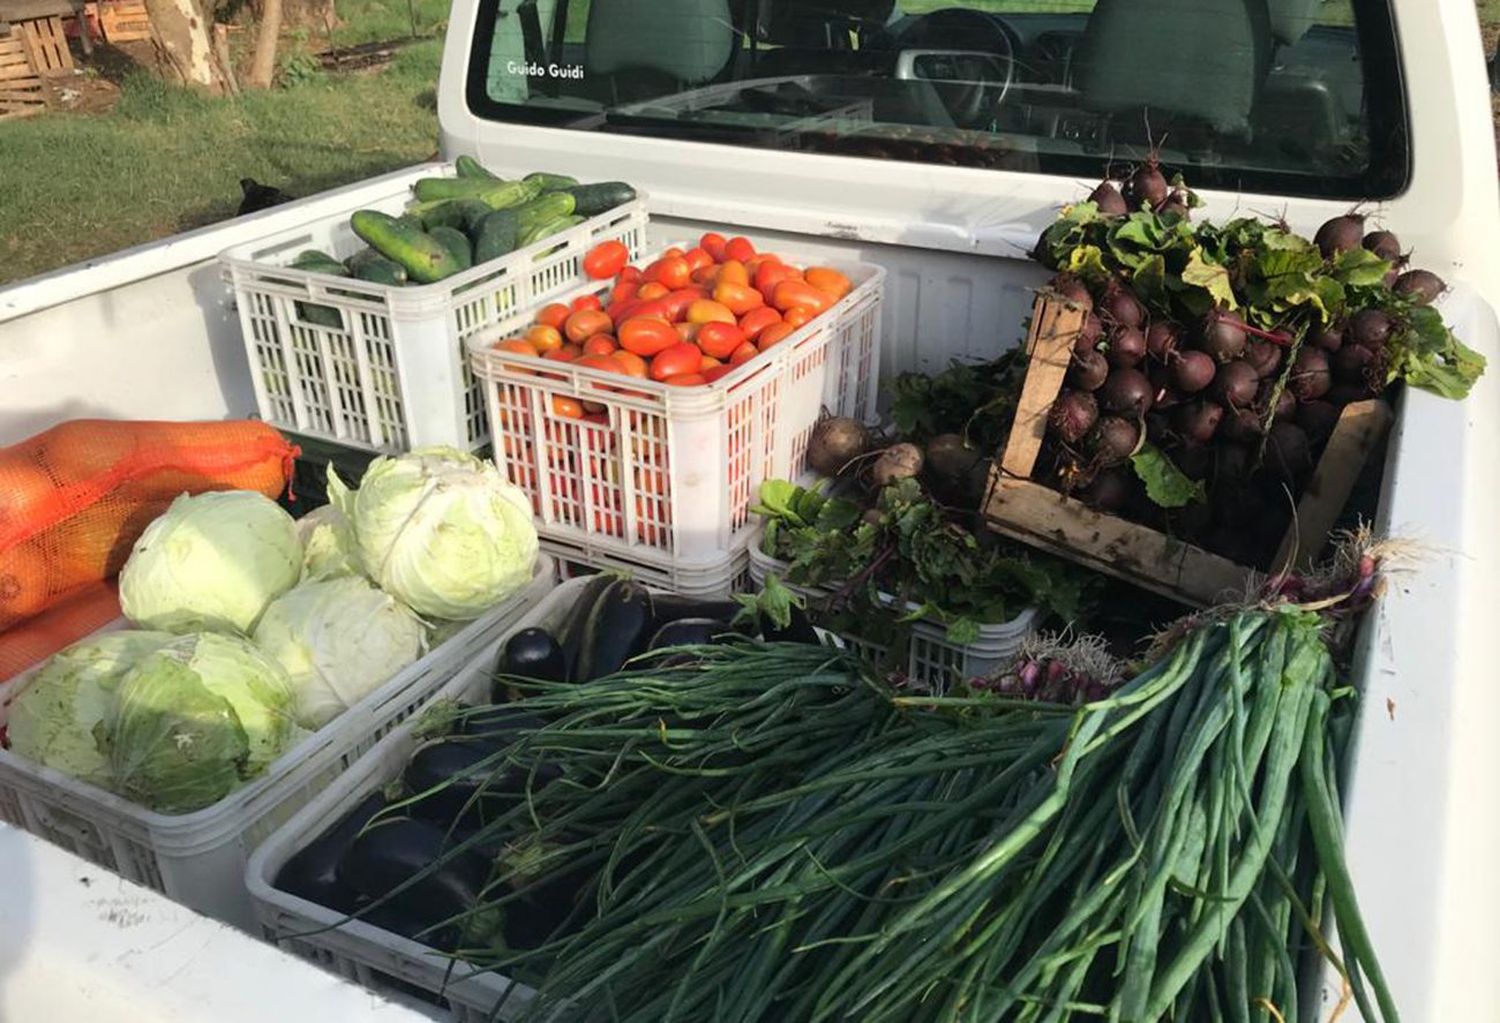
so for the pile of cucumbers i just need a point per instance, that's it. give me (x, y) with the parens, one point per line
(460, 222)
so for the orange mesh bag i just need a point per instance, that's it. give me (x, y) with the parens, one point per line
(73, 500)
(88, 609)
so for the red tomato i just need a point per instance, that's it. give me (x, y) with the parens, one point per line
(656, 307)
(629, 275)
(797, 317)
(799, 294)
(718, 372)
(674, 361)
(567, 353)
(583, 302)
(679, 301)
(698, 258)
(686, 380)
(743, 354)
(768, 275)
(673, 253)
(707, 311)
(568, 408)
(738, 298)
(585, 323)
(707, 363)
(687, 331)
(739, 248)
(554, 315)
(647, 335)
(600, 344)
(653, 289)
(720, 339)
(732, 272)
(774, 333)
(633, 363)
(757, 320)
(623, 291)
(829, 281)
(675, 272)
(707, 275)
(544, 339)
(605, 260)
(713, 243)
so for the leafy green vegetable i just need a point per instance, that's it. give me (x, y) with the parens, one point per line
(911, 552)
(975, 401)
(1166, 485)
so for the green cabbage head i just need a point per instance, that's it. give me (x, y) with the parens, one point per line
(196, 719)
(329, 550)
(211, 561)
(52, 720)
(441, 531)
(339, 640)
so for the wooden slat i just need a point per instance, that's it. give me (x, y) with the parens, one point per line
(22, 98)
(18, 72)
(1361, 427)
(124, 21)
(1054, 329)
(48, 46)
(31, 10)
(1042, 517)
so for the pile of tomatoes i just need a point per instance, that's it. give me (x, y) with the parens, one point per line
(687, 319)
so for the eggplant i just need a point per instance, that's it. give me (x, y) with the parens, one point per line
(668, 607)
(312, 874)
(689, 632)
(617, 630)
(393, 852)
(530, 653)
(473, 783)
(570, 636)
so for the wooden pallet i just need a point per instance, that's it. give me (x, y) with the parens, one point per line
(1043, 518)
(48, 46)
(123, 21)
(21, 91)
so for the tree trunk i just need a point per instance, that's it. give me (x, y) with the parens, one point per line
(263, 67)
(182, 36)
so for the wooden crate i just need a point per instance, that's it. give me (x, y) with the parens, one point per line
(123, 21)
(1044, 518)
(48, 46)
(21, 90)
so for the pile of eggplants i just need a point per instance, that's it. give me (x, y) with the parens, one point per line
(376, 862)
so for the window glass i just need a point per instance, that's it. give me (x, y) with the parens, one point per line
(1294, 96)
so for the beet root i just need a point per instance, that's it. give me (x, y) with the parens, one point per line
(1235, 385)
(1191, 371)
(1161, 340)
(1384, 244)
(1123, 309)
(1126, 392)
(1114, 439)
(1221, 338)
(1127, 348)
(1109, 491)
(1072, 416)
(1288, 453)
(1089, 334)
(1341, 234)
(1241, 426)
(1421, 286)
(1317, 419)
(1264, 355)
(1109, 200)
(1370, 328)
(1311, 376)
(1196, 423)
(1073, 290)
(1088, 371)
(1147, 186)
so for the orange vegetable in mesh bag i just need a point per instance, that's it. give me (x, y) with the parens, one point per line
(75, 498)
(74, 616)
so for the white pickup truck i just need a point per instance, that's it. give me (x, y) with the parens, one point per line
(979, 119)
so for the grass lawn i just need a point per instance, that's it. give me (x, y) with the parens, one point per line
(165, 160)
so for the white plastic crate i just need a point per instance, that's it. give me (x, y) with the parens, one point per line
(717, 578)
(933, 660)
(198, 859)
(662, 478)
(381, 961)
(380, 367)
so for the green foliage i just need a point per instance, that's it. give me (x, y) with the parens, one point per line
(976, 401)
(909, 551)
(1166, 485)
(299, 68)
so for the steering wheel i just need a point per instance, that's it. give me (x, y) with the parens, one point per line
(955, 32)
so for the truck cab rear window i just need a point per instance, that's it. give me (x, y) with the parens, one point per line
(1295, 97)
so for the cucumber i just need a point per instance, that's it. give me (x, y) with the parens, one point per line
(472, 213)
(319, 262)
(550, 228)
(369, 265)
(320, 315)
(434, 189)
(551, 182)
(497, 235)
(592, 200)
(544, 210)
(424, 257)
(468, 167)
(445, 213)
(456, 242)
(508, 194)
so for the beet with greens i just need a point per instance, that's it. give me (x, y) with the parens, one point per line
(1341, 234)
(1310, 377)
(1073, 415)
(1221, 337)
(1127, 348)
(1126, 392)
(1235, 384)
(1088, 371)
(1421, 286)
